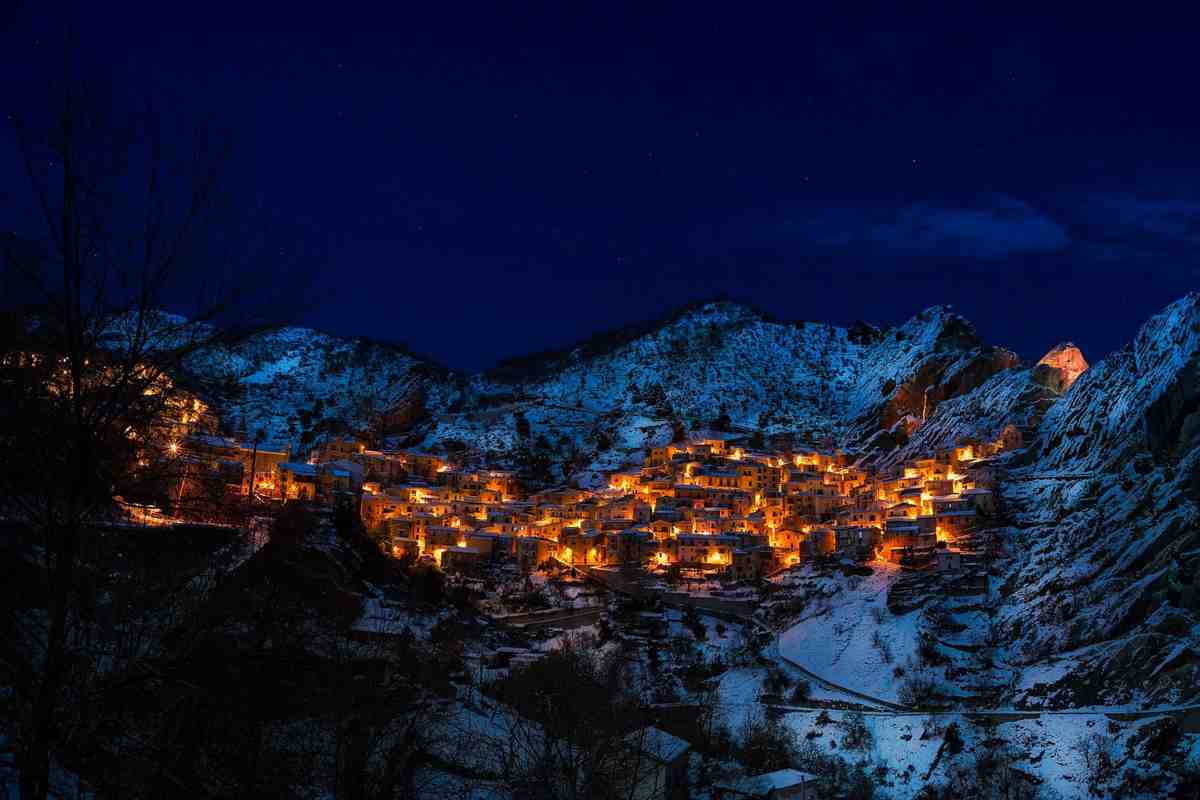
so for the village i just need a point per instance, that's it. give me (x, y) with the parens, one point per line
(751, 589)
(707, 508)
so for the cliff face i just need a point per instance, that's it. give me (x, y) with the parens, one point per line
(1106, 520)
(1012, 397)
(1068, 360)
(932, 358)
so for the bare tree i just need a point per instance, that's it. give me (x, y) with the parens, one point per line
(91, 399)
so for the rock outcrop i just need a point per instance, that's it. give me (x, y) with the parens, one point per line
(1068, 361)
(1106, 526)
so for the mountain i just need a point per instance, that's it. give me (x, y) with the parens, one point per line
(602, 402)
(1012, 400)
(1096, 597)
(725, 365)
(1105, 506)
(294, 385)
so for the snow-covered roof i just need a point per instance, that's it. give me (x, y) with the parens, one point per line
(298, 468)
(658, 744)
(762, 785)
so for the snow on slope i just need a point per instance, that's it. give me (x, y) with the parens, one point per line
(601, 408)
(836, 639)
(1106, 522)
(908, 747)
(823, 382)
(1010, 397)
(780, 377)
(291, 380)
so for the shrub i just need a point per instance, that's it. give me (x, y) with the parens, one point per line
(1099, 759)
(953, 739)
(919, 690)
(775, 683)
(858, 735)
(928, 650)
(801, 691)
(766, 744)
(885, 650)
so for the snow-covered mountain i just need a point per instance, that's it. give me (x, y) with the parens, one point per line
(1102, 502)
(293, 385)
(725, 363)
(1100, 600)
(597, 406)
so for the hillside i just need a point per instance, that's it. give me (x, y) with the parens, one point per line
(1106, 513)
(295, 385)
(600, 404)
(1096, 596)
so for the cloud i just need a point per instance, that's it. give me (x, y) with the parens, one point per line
(1157, 234)
(1073, 231)
(1128, 220)
(996, 227)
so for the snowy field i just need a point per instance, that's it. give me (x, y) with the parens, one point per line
(739, 691)
(837, 639)
(1046, 746)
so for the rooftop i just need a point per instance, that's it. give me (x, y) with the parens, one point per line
(762, 785)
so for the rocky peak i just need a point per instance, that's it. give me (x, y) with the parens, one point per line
(1069, 360)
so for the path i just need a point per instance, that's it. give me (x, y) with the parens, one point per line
(575, 617)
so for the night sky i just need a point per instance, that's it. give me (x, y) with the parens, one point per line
(480, 184)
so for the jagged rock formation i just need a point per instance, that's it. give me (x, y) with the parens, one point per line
(1068, 361)
(1011, 399)
(1101, 600)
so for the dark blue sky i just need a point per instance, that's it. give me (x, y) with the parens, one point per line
(478, 184)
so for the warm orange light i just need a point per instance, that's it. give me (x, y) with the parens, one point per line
(462, 542)
(661, 558)
(715, 558)
(174, 448)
